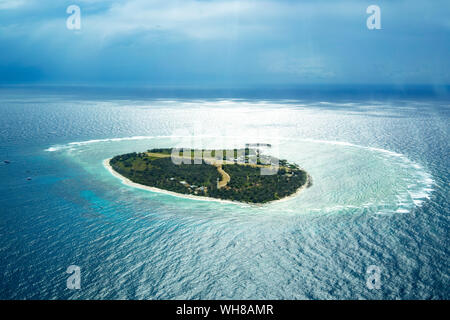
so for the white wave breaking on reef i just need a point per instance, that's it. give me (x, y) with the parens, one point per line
(416, 192)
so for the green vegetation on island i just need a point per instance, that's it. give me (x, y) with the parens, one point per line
(204, 173)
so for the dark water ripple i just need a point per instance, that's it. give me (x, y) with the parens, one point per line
(129, 249)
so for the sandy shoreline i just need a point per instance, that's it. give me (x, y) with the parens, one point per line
(130, 183)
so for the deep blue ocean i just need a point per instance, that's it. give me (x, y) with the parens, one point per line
(379, 161)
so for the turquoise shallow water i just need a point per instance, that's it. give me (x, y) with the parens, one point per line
(380, 172)
(346, 176)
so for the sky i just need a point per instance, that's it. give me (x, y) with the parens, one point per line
(225, 43)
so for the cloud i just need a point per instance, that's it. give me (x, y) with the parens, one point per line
(247, 41)
(11, 4)
(304, 68)
(192, 19)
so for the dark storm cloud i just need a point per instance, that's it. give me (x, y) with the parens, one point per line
(224, 42)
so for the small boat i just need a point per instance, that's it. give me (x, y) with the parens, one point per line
(29, 178)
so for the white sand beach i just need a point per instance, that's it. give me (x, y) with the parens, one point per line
(130, 183)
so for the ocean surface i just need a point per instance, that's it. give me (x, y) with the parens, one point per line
(380, 197)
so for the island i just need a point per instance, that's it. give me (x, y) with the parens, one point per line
(239, 175)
